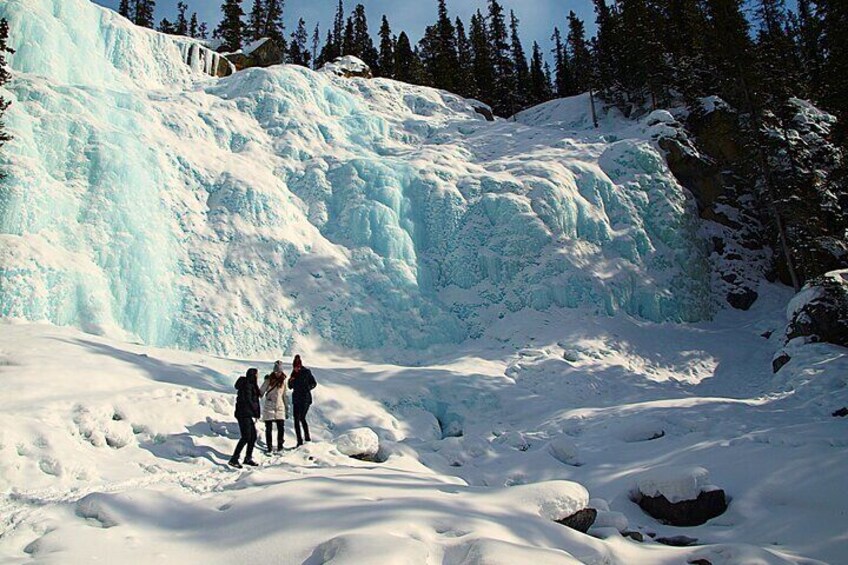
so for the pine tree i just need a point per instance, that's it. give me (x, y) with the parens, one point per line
(521, 76)
(504, 71)
(316, 41)
(124, 9)
(143, 12)
(386, 59)
(298, 49)
(729, 53)
(166, 26)
(231, 28)
(362, 45)
(581, 63)
(274, 27)
(481, 58)
(777, 58)
(328, 51)
(405, 60)
(255, 27)
(466, 85)
(540, 86)
(347, 38)
(834, 17)
(444, 57)
(5, 76)
(203, 31)
(193, 26)
(181, 25)
(808, 36)
(338, 33)
(563, 83)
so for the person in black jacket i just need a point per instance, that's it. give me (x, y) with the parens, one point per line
(247, 409)
(301, 382)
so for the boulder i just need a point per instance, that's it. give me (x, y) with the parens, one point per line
(348, 67)
(677, 541)
(361, 443)
(781, 359)
(564, 450)
(820, 311)
(581, 520)
(742, 298)
(679, 496)
(841, 413)
(262, 53)
(484, 111)
(706, 506)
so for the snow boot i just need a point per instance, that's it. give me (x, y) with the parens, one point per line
(235, 463)
(251, 463)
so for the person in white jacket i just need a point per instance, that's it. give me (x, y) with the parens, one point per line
(276, 409)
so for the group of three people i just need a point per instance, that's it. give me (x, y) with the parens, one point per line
(276, 409)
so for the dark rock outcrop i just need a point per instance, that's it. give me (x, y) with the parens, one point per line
(779, 361)
(484, 111)
(709, 504)
(581, 520)
(819, 312)
(677, 541)
(265, 53)
(841, 413)
(742, 298)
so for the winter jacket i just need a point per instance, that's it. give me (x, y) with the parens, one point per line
(276, 401)
(302, 384)
(247, 401)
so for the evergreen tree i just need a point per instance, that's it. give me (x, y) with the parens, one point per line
(328, 51)
(274, 27)
(581, 61)
(504, 71)
(386, 59)
(143, 12)
(540, 86)
(444, 61)
(194, 26)
(338, 33)
(729, 53)
(362, 45)
(298, 49)
(5, 76)
(563, 83)
(181, 25)
(466, 85)
(124, 9)
(481, 58)
(808, 36)
(406, 60)
(255, 27)
(231, 28)
(347, 38)
(203, 31)
(521, 76)
(777, 57)
(316, 41)
(834, 18)
(166, 26)
(607, 49)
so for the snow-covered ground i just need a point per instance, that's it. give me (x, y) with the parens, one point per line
(117, 451)
(501, 303)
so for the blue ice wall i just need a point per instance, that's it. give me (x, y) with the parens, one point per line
(242, 214)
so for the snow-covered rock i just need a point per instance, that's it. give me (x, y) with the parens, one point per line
(348, 66)
(361, 443)
(680, 496)
(564, 450)
(819, 312)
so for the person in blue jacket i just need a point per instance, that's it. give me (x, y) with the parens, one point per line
(247, 410)
(301, 382)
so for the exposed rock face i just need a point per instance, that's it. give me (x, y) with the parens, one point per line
(484, 111)
(779, 361)
(581, 520)
(820, 311)
(263, 53)
(709, 504)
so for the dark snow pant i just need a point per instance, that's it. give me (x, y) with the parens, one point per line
(269, 429)
(300, 410)
(248, 438)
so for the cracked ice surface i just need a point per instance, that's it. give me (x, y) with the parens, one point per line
(239, 215)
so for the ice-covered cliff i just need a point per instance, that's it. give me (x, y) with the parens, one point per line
(238, 214)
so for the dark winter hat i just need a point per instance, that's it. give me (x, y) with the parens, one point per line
(297, 362)
(252, 372)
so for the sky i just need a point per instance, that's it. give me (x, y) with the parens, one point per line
(538, 17)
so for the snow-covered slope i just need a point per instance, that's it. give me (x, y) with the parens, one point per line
(239, 215)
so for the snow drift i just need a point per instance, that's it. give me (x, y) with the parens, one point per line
(148, 199)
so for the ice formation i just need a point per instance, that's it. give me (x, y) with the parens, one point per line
(240, 214)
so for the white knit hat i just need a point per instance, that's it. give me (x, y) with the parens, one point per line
(278, 367)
